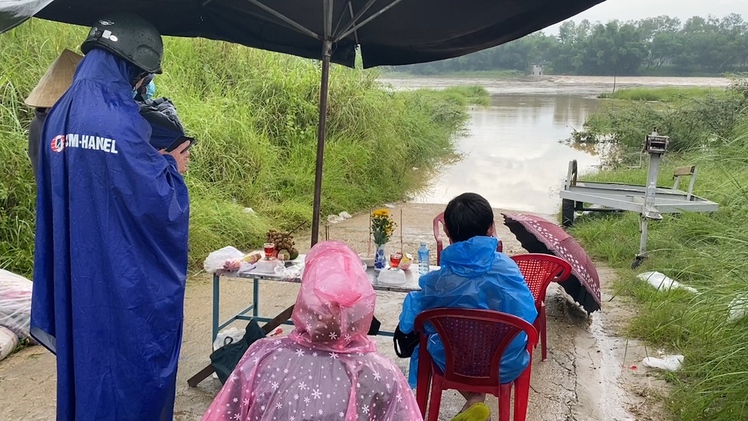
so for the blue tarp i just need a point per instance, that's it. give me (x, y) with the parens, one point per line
(111, 251)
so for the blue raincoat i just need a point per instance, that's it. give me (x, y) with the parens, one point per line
(473, 275)
(111, 252)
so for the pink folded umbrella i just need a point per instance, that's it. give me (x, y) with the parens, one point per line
(539, 235)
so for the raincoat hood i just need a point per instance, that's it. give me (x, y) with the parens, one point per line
(106, 68)
(472, 257)
(336, 302)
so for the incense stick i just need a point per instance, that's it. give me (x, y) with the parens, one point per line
(368, 246)
(401, 231)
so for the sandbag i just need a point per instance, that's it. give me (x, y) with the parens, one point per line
(15, 303)
(8, 342)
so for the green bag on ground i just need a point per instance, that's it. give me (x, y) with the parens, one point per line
(225, 358)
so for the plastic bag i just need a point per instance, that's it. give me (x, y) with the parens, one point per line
(738, 308)
(217, 260)
(667, 362)
(662, 283)
(15, 303)
(235, 335)
(342, 216)
(391, 277)
(8, 342)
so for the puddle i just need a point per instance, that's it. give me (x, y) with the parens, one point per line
(612, 399)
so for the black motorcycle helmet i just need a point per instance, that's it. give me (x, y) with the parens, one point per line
(129, 37)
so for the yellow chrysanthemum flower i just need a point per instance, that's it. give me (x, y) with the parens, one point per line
(382, 226)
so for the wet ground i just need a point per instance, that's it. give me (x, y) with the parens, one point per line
(591, 372)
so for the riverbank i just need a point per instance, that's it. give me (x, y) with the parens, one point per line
(703, 251)
(556, 84)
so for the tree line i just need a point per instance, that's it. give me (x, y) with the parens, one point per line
(654, 46)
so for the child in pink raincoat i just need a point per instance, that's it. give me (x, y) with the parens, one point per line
(327, 368)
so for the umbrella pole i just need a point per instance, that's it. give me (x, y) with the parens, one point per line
(327, 52)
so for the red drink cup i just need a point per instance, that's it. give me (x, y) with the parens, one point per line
(269, 249)
(395, 259)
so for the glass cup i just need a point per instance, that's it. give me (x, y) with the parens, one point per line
(269, 249)
(395, 260)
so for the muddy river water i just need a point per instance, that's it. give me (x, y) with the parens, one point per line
(514, 153)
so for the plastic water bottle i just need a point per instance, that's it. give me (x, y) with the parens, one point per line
(423, 259)
(649, 200)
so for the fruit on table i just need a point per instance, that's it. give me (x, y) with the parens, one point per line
(253, 257)
(284, 254)
(283, 242)
(232, 265)
(406, 261)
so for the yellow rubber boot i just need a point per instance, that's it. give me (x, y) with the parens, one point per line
(476, 412)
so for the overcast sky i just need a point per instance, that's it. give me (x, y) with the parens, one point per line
(640, 9)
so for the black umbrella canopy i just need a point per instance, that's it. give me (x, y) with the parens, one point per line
(390, 32)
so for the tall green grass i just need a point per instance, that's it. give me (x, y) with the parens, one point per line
(255, 114)
(691, 120)
(663, 94)
(706, 251)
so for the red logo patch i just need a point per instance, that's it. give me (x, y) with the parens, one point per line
(58, 143)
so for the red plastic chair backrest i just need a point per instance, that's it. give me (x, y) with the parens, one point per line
(474, 341)
(539, 270)
(439, 219)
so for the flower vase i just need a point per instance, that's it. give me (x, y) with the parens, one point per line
(380, 261)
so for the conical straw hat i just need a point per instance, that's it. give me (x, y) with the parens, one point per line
(55, 81)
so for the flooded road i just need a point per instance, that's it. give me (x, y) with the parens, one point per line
(514, 153)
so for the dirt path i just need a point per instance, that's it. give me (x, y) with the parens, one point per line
(589, 373)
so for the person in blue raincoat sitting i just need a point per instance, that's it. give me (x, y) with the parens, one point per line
(472, 275)
(110, 260)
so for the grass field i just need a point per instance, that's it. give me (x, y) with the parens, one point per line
(255, 114)
(708, 252)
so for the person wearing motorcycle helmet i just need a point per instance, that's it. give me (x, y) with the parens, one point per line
(146, 90)
(110, 260)
(166, 128)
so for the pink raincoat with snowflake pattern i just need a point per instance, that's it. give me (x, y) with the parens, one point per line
(327, 368)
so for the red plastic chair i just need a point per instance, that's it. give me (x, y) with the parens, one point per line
(539, 270)
(439, 219)
(474, 341)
